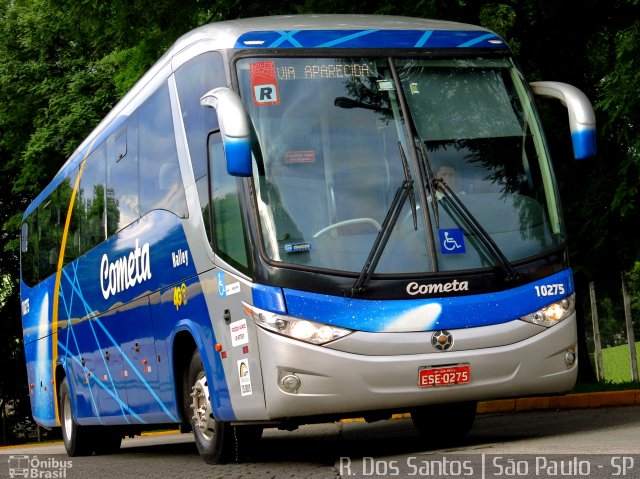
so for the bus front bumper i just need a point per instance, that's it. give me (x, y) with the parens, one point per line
(370, 372)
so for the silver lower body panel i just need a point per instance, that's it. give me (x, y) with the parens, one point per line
(342, 382)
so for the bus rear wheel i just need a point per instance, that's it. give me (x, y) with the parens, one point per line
(214, 439)
(444, 424)
(76, 438)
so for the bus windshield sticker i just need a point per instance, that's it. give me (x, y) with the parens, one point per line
(297, 247)
(451, 241)
(303, 156)
(386, 85)
(264, 83)
(245, 377)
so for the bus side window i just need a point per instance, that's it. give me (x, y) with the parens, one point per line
(30, 249)
(91, 199)
(161, 184)
(229, 235)
(122, 176)
(193, 79)
(48, 236)
(72, 238)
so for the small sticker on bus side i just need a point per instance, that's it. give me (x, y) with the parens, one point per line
(233, 288)
(245, 377)
(239, 332)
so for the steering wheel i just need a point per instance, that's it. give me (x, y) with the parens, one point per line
(352, 221)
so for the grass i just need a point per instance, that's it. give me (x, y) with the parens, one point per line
(617, 371)
(617, 364)
(605, 386)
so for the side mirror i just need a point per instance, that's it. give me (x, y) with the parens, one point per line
(234, 126)
(582, 119)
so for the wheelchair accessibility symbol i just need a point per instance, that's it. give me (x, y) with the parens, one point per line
(222, 290)
(451, 241)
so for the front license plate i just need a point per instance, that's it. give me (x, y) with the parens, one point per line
(444, 376)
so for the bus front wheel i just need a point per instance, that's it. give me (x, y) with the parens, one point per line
(76, 438)
(214, 439)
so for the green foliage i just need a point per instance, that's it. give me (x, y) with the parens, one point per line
(501, 19)
(633, 285)
(619, 99)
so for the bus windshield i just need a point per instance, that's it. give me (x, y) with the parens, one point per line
(336, 138)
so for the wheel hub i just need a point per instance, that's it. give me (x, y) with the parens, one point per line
(201, 406)
(67, 416)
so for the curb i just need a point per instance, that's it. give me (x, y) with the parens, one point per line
(568, 401)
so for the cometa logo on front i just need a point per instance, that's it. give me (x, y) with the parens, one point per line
(437, 288)
(125, 272)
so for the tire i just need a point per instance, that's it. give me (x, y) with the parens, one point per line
(77, 439)
(444, 424)
(214, 439)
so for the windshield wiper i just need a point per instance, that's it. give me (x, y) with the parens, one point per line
(429, 178)
(438, 184)
(481, 233)
(407, 177)
(404, 191)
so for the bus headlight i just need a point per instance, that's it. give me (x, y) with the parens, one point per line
(554, 313)
(296, 328)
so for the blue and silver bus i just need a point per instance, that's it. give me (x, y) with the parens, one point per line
(300, 219)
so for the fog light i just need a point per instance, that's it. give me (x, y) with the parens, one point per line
(570, 358)
(290, 383)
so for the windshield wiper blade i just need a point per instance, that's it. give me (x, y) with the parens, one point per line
(482, 234)
(428, 178)
(404, 191)
(438, 184)
(407, 177)
(390, 220)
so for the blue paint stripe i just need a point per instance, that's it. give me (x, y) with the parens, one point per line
(346, 38)
(95, 337)
(423, 39)
(124, 356)
(106, 366)
(135, 370)
(71, 334)
(102, 385)
(286, 36)
(368, 39)
(477, 40)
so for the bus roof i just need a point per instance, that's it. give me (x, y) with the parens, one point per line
(337, 31)
(293, 31)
